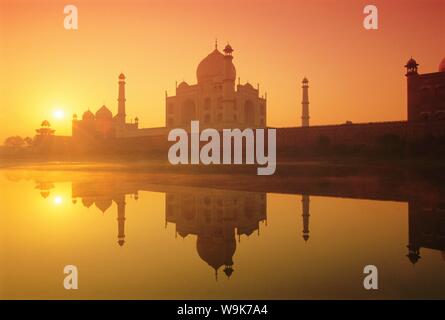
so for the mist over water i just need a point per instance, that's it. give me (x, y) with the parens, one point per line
(132, 236)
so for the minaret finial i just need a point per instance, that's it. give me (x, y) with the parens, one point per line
(216, 43)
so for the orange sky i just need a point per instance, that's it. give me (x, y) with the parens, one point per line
(354, 74)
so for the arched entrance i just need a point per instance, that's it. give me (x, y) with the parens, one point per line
(249, 113)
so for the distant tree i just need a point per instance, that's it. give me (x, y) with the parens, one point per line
(14, 142)
(29, 141)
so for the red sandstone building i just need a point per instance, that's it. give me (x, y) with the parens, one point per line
(426, 93)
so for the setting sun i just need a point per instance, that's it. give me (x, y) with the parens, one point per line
(58, 114)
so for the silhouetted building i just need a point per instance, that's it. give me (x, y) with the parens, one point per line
(103, 124)
(426, 93)
(305, 103)
(45, 129)
(214, 100)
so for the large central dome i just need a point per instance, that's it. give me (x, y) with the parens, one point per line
(211, 68)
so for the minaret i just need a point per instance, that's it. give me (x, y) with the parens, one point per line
(121, 220)
(412, 78)
(305, 103)
(121, 100)
(228, 85)
(305, 205)
(414, 230)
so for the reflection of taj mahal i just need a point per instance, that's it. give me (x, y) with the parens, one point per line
(216, 217)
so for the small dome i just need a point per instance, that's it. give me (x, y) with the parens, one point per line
(121, 76)
(88, 115)
(211, 68)
(442, 65)
(104, 113)
(305, 80)
(411, 63)
(228, 49)
(45, 123)
(183, 85)
(248, 85)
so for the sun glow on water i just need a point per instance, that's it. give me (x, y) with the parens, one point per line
(58, 200)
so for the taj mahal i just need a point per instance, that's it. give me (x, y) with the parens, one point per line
(219, 100)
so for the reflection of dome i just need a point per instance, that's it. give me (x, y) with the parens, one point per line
(413, 257)
(121, 242)
(216, 252)
(103, 204)
(88, 115)
(442, 65)
(104, 113)
(44, 194)
(228, 270)
(183, 233)
(87, 202)
(211, 68)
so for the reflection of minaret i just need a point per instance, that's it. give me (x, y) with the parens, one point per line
(120, 117)
(305, 104)
(413, 232)
(305, 206)
(121, 219)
